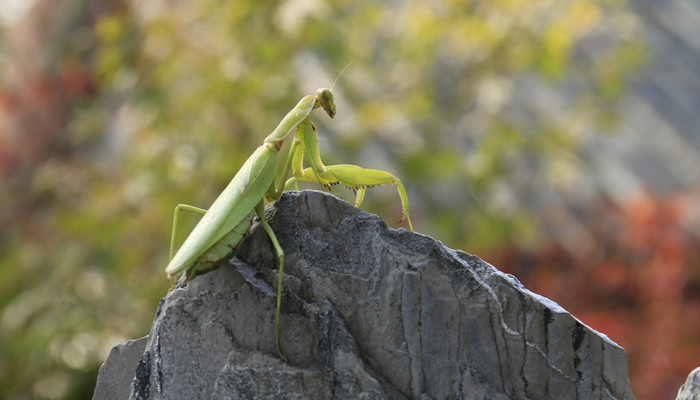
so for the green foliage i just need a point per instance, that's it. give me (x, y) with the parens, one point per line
(182, 93)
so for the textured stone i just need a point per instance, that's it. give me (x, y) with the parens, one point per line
(691, 389)
(368, 313)
(117, 372)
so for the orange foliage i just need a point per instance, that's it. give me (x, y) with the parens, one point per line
(34, 113)
(640, 285)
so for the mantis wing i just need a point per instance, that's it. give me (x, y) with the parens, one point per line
(233, 206)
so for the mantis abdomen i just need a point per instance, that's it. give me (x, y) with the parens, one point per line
(223, 249)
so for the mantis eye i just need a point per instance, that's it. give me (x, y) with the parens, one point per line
(324, 97)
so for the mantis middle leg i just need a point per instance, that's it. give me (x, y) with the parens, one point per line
(260, 211)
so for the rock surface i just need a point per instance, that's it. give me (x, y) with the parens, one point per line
(691, 389)
(368, 313)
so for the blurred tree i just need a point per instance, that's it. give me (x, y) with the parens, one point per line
(113, 112)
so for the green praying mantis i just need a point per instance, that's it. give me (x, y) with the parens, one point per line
(263, 177)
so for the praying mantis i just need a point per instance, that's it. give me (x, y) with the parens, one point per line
(263, 177)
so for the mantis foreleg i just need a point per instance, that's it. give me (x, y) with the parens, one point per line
(360, 179)
(356, 177)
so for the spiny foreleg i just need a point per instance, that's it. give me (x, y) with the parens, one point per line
(360, 178)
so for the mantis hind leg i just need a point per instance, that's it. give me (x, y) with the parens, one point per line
(181, 207)
(260, 211)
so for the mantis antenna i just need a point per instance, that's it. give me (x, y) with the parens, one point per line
(336, 79)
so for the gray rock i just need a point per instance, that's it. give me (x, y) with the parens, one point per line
(117, 372)
(691, 389)
(368, 313)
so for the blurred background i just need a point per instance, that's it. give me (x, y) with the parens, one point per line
(558, 140)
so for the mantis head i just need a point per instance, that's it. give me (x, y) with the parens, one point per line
(324, 98)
